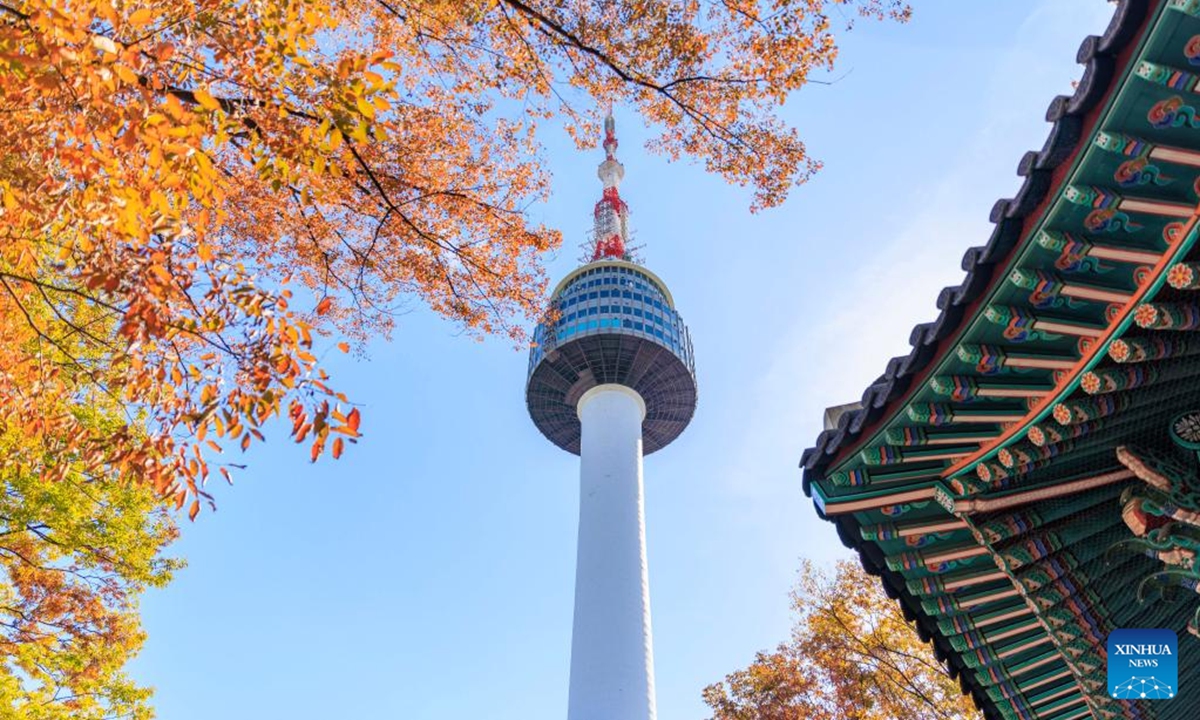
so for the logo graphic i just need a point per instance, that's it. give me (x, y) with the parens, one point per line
(1143, 664)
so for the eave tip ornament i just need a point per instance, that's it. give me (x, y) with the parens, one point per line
(611, 234)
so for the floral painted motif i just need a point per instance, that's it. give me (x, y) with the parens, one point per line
(1186, 427)
(1192, 50)
(1167, 316)
(1114, 379)
(1151, 347)
(1184, 276)
(1110, 220)
(1080, 410)
(990, 472)
(1172, 113)
(1140, 171)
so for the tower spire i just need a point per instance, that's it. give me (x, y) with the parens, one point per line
(611, 233)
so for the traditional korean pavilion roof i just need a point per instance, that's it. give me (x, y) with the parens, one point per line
(1025, 480)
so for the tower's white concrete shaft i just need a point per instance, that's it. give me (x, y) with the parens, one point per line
(612, 660)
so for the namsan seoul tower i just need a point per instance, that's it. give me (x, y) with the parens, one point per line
(611, 378)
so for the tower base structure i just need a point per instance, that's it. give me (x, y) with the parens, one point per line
(612, 657)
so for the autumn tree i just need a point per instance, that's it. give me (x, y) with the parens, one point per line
(852, 656)
(75, 554)
(195, 193)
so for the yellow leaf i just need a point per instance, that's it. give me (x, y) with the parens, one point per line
(365, 107)
(208, 102)
(142, 17)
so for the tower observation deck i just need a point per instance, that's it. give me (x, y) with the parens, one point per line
(611, 378)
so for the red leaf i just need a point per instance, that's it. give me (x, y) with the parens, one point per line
(344, 347)
(194, 510)
(353, 419)
(324, 305)
(337, 448)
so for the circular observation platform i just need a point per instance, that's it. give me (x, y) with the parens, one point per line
(616, 323)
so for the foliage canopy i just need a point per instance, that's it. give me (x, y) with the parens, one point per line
(193, 190)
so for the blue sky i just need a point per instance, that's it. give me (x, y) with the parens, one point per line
(428, 575)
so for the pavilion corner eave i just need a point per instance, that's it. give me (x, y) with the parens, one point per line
(1026, 479)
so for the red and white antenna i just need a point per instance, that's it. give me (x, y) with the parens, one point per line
(611, 235)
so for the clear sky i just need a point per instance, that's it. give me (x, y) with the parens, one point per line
(428, 575)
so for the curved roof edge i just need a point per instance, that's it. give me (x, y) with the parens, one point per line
(1098, 55)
